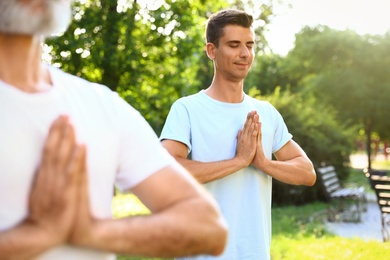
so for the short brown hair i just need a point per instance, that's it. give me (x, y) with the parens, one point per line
(217, 22)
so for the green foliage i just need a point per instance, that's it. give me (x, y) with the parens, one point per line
(315, 128)
(358, 178)
(348, 71)
(267, 73)
(333, 84)
(150, 52)
(293, 223)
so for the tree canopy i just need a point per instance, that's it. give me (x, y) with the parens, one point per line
(349, 71)
(150, 52)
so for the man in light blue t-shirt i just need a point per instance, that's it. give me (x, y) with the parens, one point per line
(231, 138)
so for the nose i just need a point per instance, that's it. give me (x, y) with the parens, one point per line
(245, 51)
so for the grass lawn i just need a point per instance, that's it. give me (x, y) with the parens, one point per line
(381, 164)
(294, 236)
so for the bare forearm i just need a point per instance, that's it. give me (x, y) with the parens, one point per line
(23, 242)
(209, 171)
(188, 228)
(297, 171)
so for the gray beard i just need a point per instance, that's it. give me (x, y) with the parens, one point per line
(18, 18)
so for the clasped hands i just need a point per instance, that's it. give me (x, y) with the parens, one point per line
(249, 142)
(59, 204)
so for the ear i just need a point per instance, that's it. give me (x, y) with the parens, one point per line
(210, 50)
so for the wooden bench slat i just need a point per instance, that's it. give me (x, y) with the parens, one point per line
(332, 183)
(384, 202)
(384, 195)
(382, 187)
(337, 194)
(385, 209)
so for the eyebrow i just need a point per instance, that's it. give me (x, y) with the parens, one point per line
(237, 42)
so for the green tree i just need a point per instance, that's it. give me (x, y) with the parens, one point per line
(267, 73)
(147, 51)
(348, 71)
(150, 52)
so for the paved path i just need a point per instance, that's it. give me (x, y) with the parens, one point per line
(370, 226)
(368, 229)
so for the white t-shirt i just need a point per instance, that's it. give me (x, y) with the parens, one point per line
(209, 128)
(122, 148)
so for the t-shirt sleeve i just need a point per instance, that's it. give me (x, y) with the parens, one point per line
(177, 125)
(282, 135)
(141, 153)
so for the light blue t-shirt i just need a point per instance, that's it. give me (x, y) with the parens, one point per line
(209, 128)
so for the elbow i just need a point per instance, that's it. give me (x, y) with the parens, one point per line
(311, 178)
(312, 181)
(208, 232)
(220, 239)
(216, 231)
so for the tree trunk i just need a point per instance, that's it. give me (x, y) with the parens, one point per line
(110, 31)
(368, 143)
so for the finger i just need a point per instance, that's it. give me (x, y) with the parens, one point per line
(74, 170)
(260, 135)
(256, 124)
(81, 180)
(43, 184)
(66, 146)
(84, 178)
(239, 134)
(77, 171)
(53, 139)
(40, 198)
(61, 138)
(248, 122)
(260, 132)
(64, 154)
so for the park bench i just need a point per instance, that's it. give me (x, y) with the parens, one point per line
(345, 203)
(380, 182)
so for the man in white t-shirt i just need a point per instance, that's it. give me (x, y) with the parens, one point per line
(65, 143)
(231, 137)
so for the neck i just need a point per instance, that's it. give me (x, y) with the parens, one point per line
(21, 65)
(226, 91)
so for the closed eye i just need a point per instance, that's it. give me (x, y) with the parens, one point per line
(234, 44)
(250, 45)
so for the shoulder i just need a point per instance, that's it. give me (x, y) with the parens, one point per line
(72, 81)
(263, 104)
(191, 98)
(189, 101)
(74, 86)
(96, 96)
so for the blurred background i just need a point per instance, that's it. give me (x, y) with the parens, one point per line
(324, 64)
